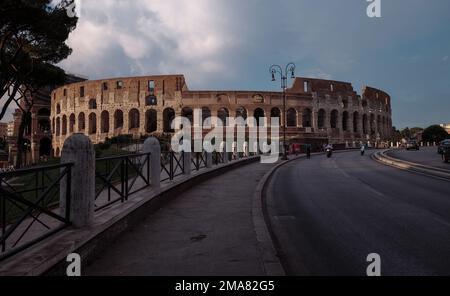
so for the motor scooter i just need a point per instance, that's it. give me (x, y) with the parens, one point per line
(329, 152)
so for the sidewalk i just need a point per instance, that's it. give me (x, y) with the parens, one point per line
(208, 230)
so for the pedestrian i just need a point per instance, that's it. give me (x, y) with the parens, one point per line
(308, 151)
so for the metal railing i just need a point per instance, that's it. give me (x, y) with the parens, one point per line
(172, 165)
(118, 177)
(29, 206)
(198, 160)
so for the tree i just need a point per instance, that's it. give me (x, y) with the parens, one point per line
(32, 38)
(435, 133)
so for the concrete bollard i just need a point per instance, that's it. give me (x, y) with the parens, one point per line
(79, 150)
(187, 163)
(151, 145)
(225, 154)
(209, 160)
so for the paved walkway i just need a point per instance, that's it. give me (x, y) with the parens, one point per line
(208, 230)
(426, 156)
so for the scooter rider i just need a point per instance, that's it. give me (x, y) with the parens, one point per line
(329, 150)
(363, 149)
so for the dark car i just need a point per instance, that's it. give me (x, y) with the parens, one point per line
(443, 145)
(412, 145)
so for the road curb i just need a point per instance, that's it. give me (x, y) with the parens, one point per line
(270, 259)
(429, 171)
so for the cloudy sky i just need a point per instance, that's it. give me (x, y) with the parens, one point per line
(230, 44)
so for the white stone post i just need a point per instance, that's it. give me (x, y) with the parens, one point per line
(79, 150)
(151, 145)
(187, 163)
(209, 160)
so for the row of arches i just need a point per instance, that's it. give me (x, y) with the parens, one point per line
(367, 124)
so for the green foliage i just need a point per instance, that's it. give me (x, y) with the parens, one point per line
(435, 133)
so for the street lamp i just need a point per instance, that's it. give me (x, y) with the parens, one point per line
(276, 69)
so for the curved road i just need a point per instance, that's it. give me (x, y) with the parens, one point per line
(426, 155)
(327, 215)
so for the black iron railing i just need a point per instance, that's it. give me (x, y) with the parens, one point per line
(29, 206)
(119, 177)
(218, 157)
(198, 160)
(172, 165)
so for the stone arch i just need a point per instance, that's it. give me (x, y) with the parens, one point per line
(291, 118)
(53, 126)
(64, 125)
(334, 118)
(58, 109)
(321, 118)
(307, 118)
(223, 114)
(241, 112)
(72, 123)
(365, 124)
(58, 127)
(104, 122)
(188, 113)
(355, 122)
(168, 117)
(118, 119)
(92, 123)
(133, 119)
(372, 124)
(206, 113)
(259, 113)
(275, 112)
(345, 119)
(45, 147)
(81, 122)
(151, 121)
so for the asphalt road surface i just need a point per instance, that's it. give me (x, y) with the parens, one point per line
(426, 156)
(327, 215)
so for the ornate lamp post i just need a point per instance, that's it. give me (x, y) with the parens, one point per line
(274, 69)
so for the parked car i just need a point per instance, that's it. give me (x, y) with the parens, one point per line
(412, 145)
(442, 145)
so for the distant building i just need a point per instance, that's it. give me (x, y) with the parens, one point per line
(446, 127)
(3, 130)
(10, 132)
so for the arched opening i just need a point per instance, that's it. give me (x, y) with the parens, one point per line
(291, 118)
(81, 122)
(118, 119)
(345, 121)
(372, 124)
(58, 127)
(306, 118)
(104, 122)
(58, 109)
(151, 121)
(355, 122)
(206, 113)
(241, 112)
(53, 126)
(188, 113)
(45, 147)
(71, 123)
(92, 123)
(321, 117)
(379, 124)
(57, 152)
(259, 116)
(92, 104)
(276, 113)
(334, 118)
(44, 112)
(133, 119)
(64, 125)
(365, 124)
(223, 114)
(44, 125)
(168, 117)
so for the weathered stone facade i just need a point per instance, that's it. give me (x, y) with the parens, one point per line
(318, 111)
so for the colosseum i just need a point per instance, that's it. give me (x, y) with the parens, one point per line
(317, 111)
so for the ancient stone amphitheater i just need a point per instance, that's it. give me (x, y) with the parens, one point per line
(317, 111)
